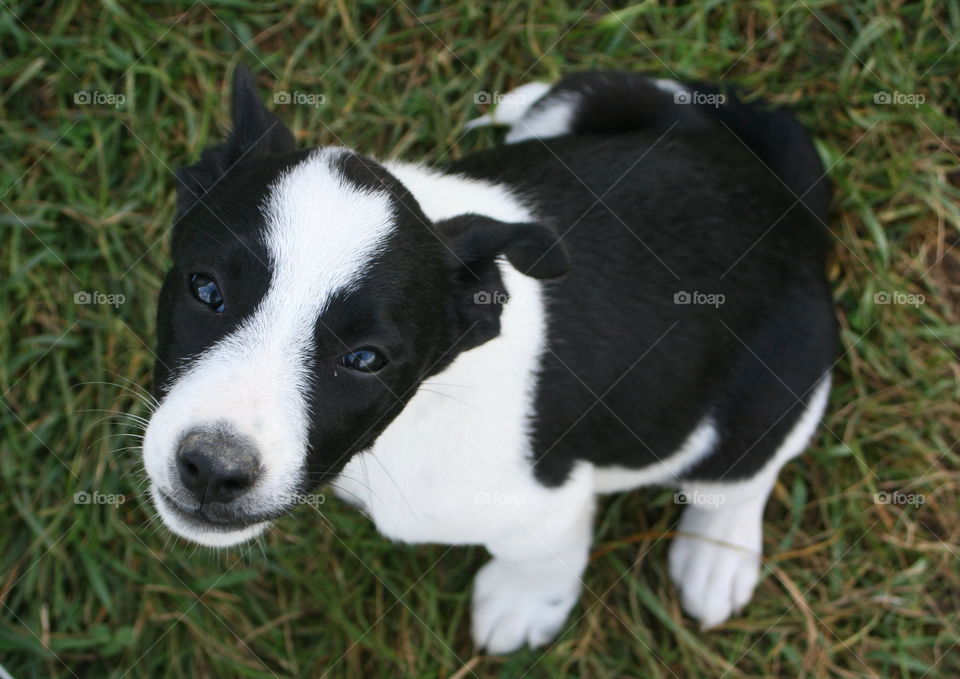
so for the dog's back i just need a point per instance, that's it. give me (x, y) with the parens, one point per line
(695, 226)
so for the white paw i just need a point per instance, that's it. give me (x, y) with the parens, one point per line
(512, 607)
(715, 581)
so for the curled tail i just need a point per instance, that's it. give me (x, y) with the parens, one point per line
(608, 102)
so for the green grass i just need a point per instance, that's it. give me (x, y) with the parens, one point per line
(853, 589)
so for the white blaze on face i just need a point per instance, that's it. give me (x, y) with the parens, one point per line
(322, 232)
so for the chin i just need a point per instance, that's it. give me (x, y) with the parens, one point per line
(201, 531)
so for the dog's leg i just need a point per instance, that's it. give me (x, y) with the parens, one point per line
(715, 562)
(525, 593)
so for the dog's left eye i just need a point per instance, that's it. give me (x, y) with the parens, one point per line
(207, 291)
(364, 360)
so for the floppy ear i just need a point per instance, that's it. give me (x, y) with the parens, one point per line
(478, 292)
(255, 132)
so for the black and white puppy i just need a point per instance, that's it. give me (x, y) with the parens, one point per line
(630, 292)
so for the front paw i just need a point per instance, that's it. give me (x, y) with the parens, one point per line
(716, 569)
(715, 582)
(513, 606)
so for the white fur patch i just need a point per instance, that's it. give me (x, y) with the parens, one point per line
(715, 562)
(454, 467)
(524, 595)
(668, 86)
(526, 602)
(700, 443)
(794, 444)
(512, 106)
(442, 195)
(550, 118)
(322, 232)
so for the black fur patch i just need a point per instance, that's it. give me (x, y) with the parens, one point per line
(687, 206)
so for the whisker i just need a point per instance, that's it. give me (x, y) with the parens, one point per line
(131, 472)
(116, 413)
(135, 387)
(144, 397)
(452, 398)
(396, 485)
(118, 435)
(325, 519)
(350, 494)
(447, 384)
(349, 478)
(142, 427)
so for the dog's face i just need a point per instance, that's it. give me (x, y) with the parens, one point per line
(308, 299)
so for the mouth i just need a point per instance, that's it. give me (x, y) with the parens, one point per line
(206, 520)
(207, 526)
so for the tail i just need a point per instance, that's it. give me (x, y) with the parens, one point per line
(608, 102)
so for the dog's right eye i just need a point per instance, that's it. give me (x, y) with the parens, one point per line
(207, 291)
(364, 360)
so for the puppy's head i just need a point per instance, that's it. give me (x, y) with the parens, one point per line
(309, 297)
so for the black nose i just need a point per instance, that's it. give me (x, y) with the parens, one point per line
(216, 466)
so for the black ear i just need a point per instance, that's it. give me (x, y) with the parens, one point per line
(478, 291)
(533, 249)
(255, 131)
